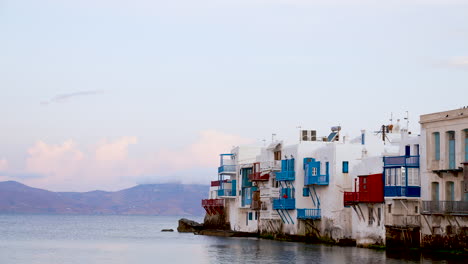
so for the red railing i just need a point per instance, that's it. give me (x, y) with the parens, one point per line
(257, 176)
(216, 183)
(212, 202)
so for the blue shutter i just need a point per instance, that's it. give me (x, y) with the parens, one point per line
(466, 147)
(250, 216)
(345, 167)
(284, 165)
(305, 192)
(452, 154)
(291, 165)
(437, 145)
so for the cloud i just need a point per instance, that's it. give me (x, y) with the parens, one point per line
(458, 62)
(64, 97)
(3, 164)
(108, 164)
(114, 151)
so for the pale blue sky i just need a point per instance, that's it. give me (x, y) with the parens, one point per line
(163, 72)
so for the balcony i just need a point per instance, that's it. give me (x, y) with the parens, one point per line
(274, 165)
(258, 176)
(401, 161)
(286, 176)
(308, 214)
(402, 191)
(406, 220)
(369, 190)
(312, 172)
(231, 169)
(317, 180)
(217, 183)
(227, 192)
(213, 206)
(445, 207)
(284, 204)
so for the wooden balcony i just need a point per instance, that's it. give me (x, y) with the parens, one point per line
(258, 176)
(213, 206)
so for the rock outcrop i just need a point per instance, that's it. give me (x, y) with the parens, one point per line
(189, 226)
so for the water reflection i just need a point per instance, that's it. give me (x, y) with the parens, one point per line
(128, 239)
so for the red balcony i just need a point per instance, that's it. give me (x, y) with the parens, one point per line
(217, 183)
(369, 190)
(213, 206)
(258, 176)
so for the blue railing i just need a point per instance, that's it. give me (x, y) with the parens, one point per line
(284, 204)
(401, 161)
(226, 192)
(286, 176)
(308, 214)
(407, 191)
(227, 168)
(317, 180)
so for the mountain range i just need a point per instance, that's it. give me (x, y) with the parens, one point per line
(145, 199)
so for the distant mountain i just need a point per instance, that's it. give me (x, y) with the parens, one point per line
(146, 199)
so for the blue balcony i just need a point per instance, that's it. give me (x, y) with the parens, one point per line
(401, 161)
(402, 191)
(227, 169)
(284, 204)
(226, 192)
(317, 180)
(312, 172)
(286, 176)
(308, 214)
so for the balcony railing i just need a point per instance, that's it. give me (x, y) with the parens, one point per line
(317, 180)
(406, 191)
(401, 161)
(308, 214)
(212, 202)
(217, 183)
(445, 207)
(274, 165)
(351, 198)
(258, 176)
(285, 176)
(226, 192)
(406, 220)
(227, 169)
(284, 204)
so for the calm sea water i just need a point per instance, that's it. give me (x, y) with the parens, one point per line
(48, 239)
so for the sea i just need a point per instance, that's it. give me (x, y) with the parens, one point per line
(96, 239)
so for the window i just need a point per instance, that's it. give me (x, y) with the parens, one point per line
(416, 149)
(413, 176)
(345, 166)
(379, 217)
(451, 149)
(407, 150)
(277, 155)
(305, 192)
(250, 216)
(435, 191)
(389, 208)
(314, 171)
(371, 216)
(436, 145)
(449, 191)
(466, 145)
(416, 209)
(256, 215)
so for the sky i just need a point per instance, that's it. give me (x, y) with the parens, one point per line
(101, 94)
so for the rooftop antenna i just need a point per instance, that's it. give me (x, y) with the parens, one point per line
(407, 121)
(300, 133)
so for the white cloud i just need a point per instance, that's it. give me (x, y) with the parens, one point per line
(3, 164)
(109, 166)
